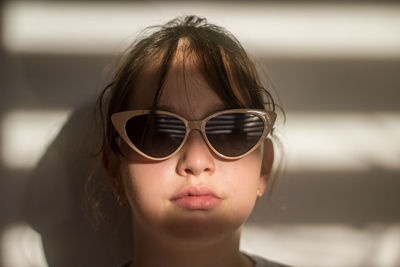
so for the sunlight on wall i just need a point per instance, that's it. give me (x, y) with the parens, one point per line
(26, 135)
(327, 29)
(21, 246)
(325, 245)
(342, 141)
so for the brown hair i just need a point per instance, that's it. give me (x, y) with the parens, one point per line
(220, 58)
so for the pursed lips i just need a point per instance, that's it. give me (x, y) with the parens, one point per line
(196, 198)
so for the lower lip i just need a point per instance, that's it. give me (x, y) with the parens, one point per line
(198, 202)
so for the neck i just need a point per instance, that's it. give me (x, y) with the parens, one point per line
(152, 249)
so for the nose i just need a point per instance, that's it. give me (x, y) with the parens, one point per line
(195, 157)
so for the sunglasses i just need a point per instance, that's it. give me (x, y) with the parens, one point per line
(158, 135)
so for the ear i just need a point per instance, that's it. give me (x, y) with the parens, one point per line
(266, 166)
(109, 163)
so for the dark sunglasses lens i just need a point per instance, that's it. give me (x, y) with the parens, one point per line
(234, 134)
(156, 135)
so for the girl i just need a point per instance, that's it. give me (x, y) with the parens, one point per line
(186, 121)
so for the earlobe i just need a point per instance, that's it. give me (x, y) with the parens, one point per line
(266, 166)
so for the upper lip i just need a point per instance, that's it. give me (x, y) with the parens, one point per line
(195, 191)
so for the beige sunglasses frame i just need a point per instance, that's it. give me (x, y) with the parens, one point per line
(120, 119)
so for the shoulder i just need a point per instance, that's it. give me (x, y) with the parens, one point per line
(261, 262)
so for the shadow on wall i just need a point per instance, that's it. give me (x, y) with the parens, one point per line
(55, 201)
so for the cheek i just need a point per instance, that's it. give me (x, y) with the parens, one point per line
(141, 177)
(244, 174)
(241, 183)
(146, 187)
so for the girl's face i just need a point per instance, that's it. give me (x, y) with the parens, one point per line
(157, 191)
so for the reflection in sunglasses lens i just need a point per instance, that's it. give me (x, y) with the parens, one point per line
(234, 134)
(156, 135)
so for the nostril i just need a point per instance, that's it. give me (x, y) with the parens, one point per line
(192, 171)
(188, 171)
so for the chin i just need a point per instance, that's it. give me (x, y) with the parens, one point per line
(202, 227)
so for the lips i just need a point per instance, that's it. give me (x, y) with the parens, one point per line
(196, 198)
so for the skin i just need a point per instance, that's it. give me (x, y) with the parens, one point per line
(170, 235)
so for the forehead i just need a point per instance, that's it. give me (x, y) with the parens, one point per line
(185, 90)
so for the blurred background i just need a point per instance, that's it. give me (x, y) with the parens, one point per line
(334, 64)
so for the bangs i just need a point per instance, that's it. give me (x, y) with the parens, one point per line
(236, 87)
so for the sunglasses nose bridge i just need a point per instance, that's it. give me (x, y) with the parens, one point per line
(194, 125)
